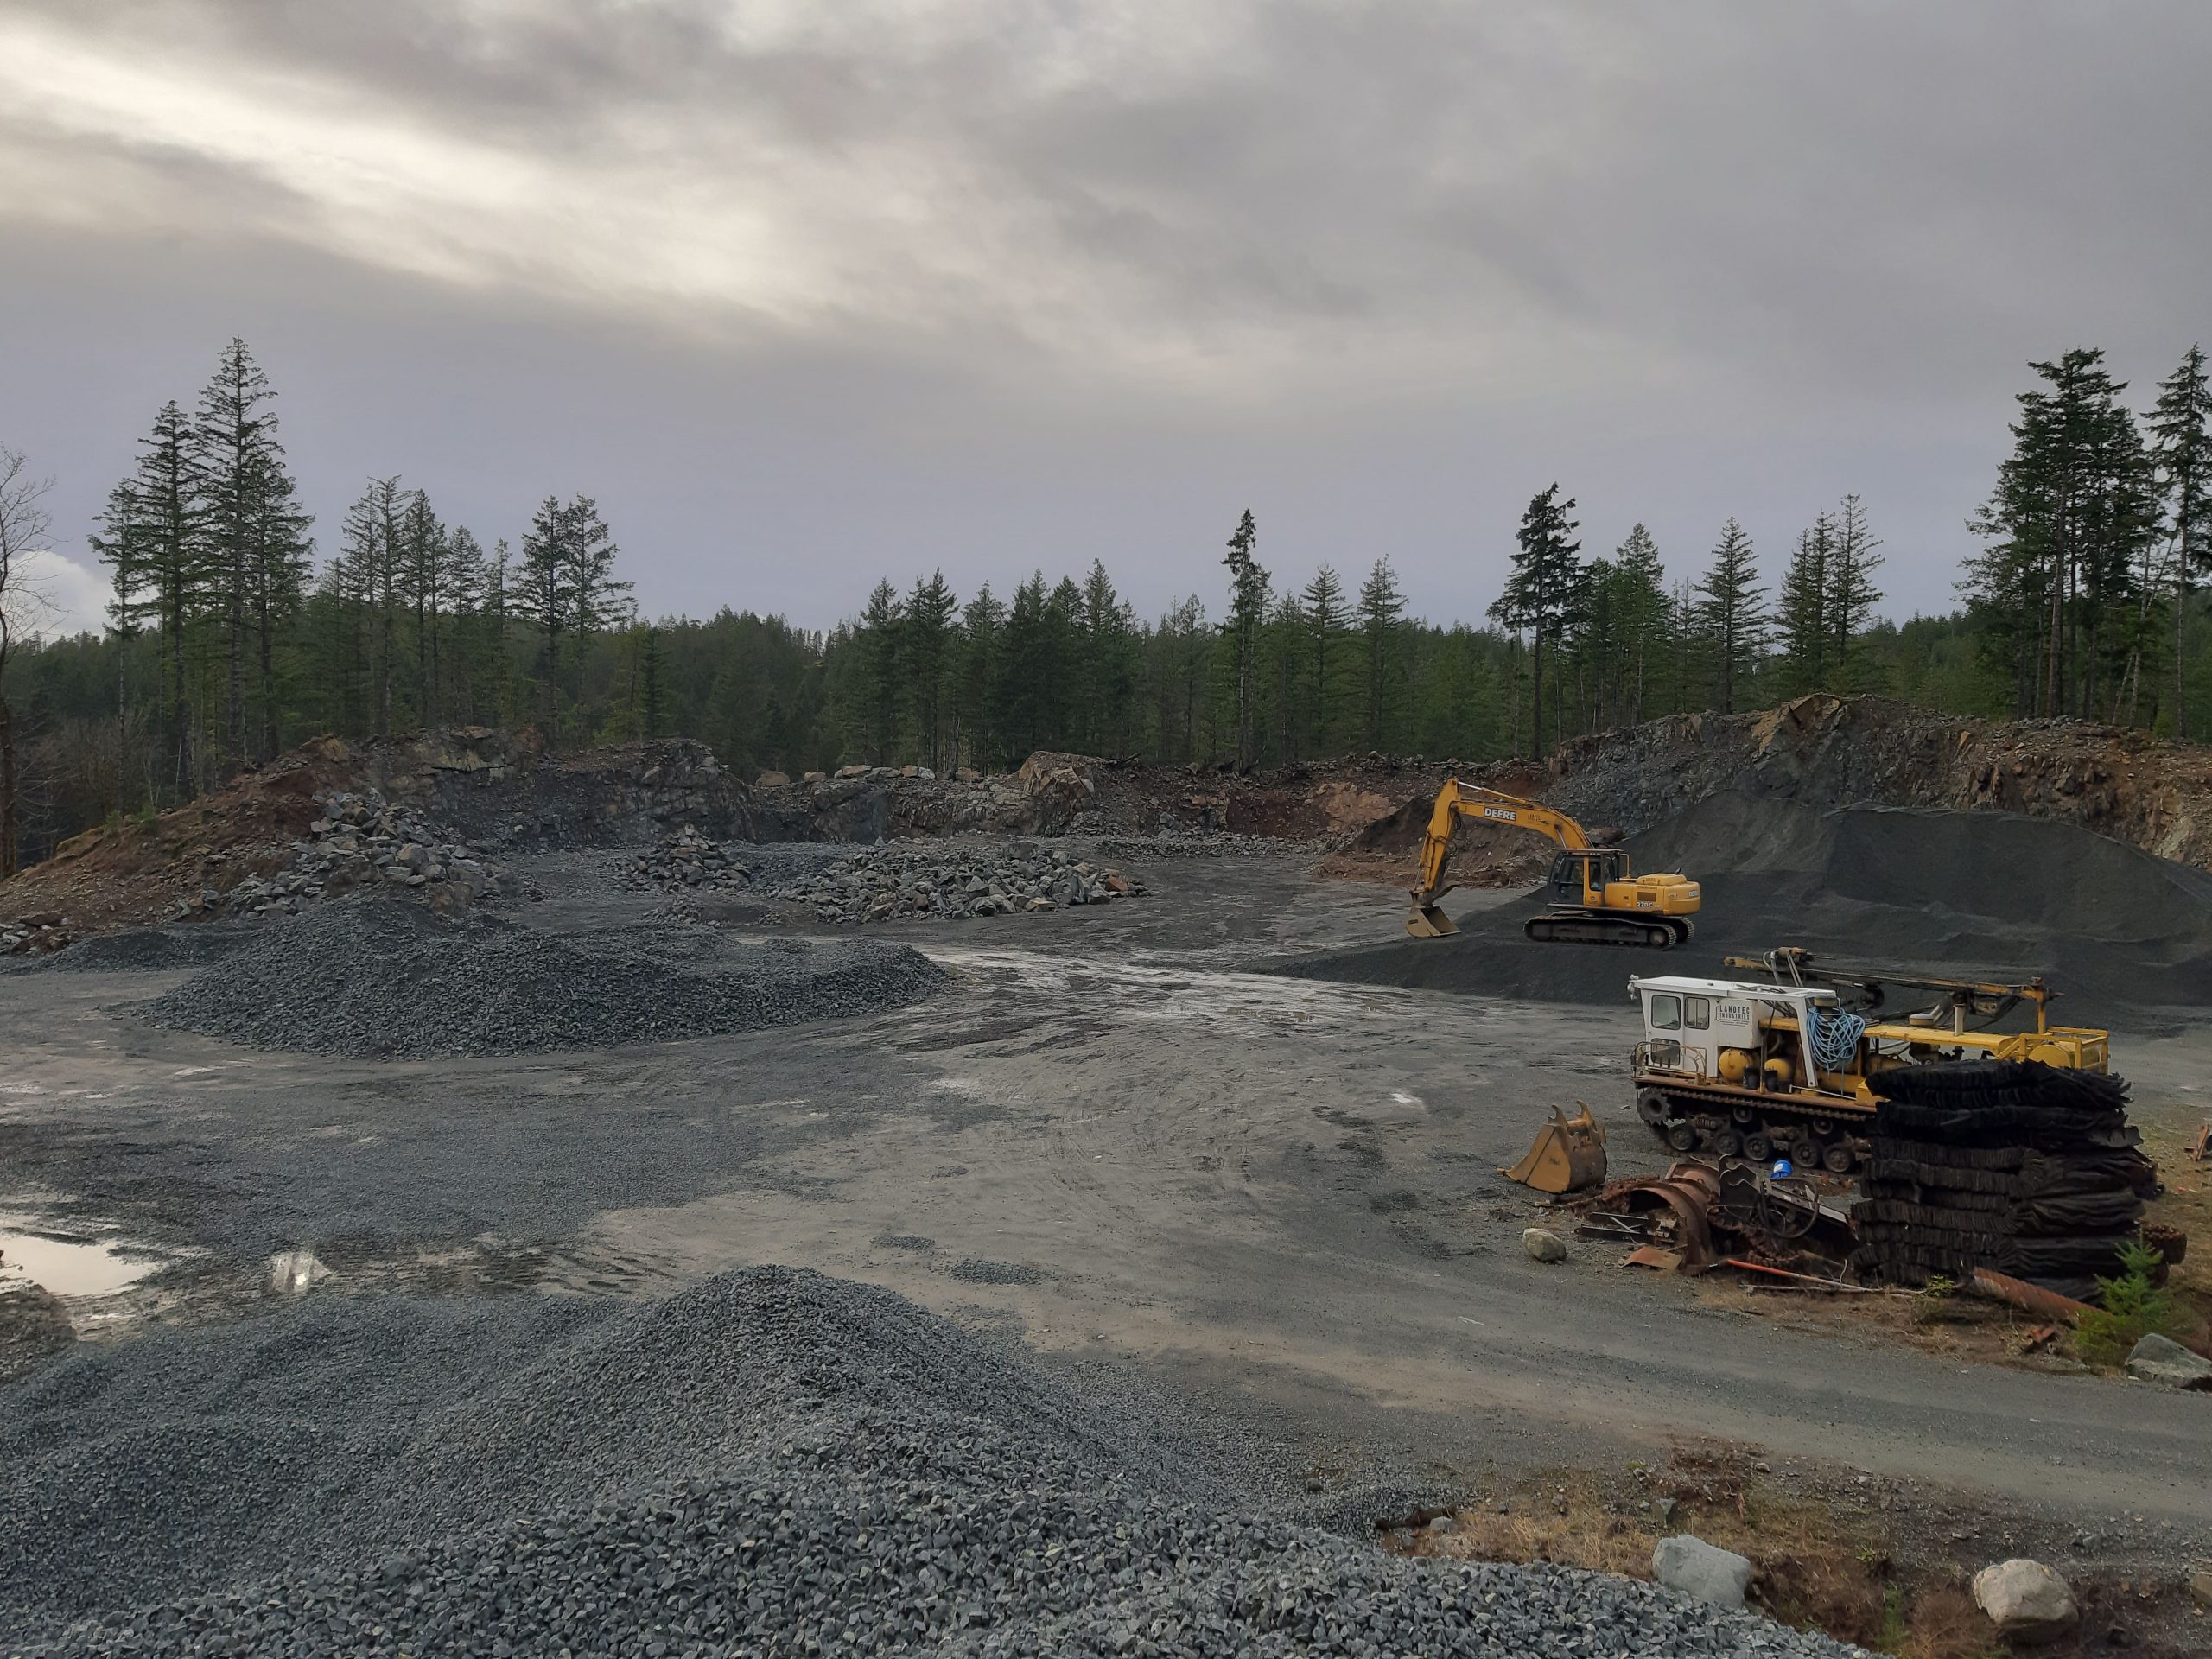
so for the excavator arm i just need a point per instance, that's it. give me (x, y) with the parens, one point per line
(1455, 801)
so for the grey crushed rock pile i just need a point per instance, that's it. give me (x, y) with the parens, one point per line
(370, 975)
(683, 861)
(952, 881)
(772, 1462)
(151, 949)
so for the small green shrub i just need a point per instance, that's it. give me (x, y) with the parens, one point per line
(2133, 1308)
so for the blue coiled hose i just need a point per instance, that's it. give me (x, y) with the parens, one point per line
(1833, 1038)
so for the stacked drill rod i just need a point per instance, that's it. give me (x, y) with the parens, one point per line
(2009, 1165)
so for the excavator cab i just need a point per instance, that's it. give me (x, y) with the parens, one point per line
(1579, 875)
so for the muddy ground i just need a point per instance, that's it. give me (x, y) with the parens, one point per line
(1277, 1198)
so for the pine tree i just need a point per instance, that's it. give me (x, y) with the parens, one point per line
(1543, 590)
(423, 558)
(1325, 618)
(2064, 528)
(596, 601)
(925, 661)
(1109, 667)
(24, 524)
(1731, 612)
(156, 549)
(540, 594)
(880, 640)
(1381, 615)
(1805, 618)
(976, 677)
(1852, 594)
(1641, 614)
(1248, 604)
(256, 544)
(2181, 426)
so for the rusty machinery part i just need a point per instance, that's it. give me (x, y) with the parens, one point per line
(2200, 1148)
(1683, 1202)
(1567, 1155)
(1599, 900)
(1824, 1135)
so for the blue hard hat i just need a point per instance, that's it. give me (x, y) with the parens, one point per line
(1782, 1167)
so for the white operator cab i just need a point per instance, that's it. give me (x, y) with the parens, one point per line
(1687, 1021)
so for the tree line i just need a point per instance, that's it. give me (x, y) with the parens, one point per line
(227, 640)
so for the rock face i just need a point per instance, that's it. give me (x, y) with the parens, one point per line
(499, 786)
(2025, 1600)
(908, 882)
(1696, 1568)
(1544, 1245)
(2159, 1359)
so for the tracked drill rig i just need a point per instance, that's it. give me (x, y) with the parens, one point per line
(1596, 898)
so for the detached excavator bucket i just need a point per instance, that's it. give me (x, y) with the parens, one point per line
(1429, 922)
(1569, 1154)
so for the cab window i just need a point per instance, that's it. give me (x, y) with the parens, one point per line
(1666, 1013)
(1697, 1012)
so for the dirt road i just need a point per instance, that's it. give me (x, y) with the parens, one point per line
(1280, 1195)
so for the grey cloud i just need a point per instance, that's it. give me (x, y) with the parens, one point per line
(1718, 256)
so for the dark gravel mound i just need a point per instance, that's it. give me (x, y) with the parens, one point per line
(373, 977)
(857, 1475)
(154, 950)
(1945, 893)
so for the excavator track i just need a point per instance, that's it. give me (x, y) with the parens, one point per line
(1567, 925)
(1760, 1129)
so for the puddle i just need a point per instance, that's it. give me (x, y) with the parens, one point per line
(65, 1266)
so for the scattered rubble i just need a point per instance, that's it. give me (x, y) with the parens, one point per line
(684, 861)
(41, 932)
(1171, 843)
(906, 880)
(363, 840)
(369, 975)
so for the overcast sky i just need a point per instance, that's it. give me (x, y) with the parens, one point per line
(809, 293)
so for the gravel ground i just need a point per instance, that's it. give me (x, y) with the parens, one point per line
(770, 1462)
(372, 976)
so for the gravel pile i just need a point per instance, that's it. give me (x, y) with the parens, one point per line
(154, 950)
(363, 841)
(684, 861)
(954, 880)
(1201, 844)
(372, 976)
(770, 1463)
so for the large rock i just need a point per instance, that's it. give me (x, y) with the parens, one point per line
(2025, 1600)
(1543, 1245)
(1696, 1568)
(2158, 1359)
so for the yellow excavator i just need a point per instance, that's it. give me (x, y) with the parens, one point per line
(1597, 898)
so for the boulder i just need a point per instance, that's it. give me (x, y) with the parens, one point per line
(2159, 1359)
(2025, 1600)
(1543, 1244)
(1696, 1568)
(773, 780)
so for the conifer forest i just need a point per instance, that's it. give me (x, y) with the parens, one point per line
(237, 627)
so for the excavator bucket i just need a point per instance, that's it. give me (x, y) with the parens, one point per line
(1569, 1154)
(1429, 922)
